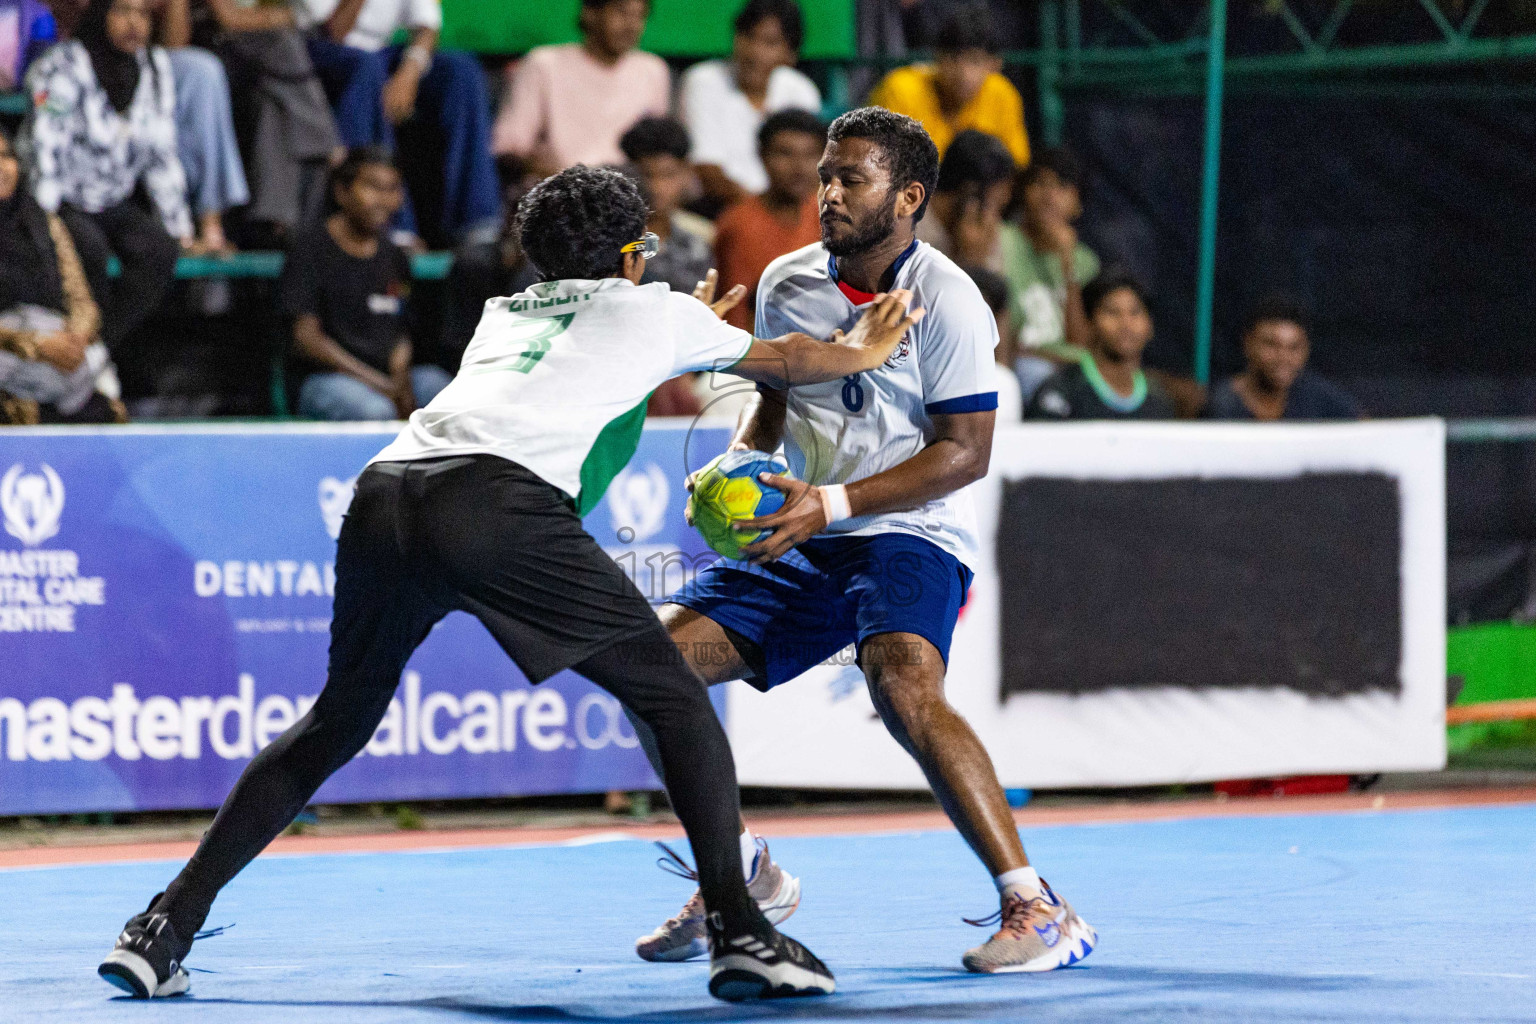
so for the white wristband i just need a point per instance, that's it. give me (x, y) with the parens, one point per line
(418, 55)
(834, 502)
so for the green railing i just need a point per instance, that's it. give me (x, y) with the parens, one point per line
(426, 266)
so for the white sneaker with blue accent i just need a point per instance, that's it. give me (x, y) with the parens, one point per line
(1039, 933)
(684, 937)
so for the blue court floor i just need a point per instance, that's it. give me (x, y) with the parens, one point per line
(1400, 916)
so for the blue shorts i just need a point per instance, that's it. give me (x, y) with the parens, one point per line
(828, 593)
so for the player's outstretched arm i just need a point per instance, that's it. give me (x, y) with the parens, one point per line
(800, 359)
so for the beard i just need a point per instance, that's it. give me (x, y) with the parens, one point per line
(877, 227)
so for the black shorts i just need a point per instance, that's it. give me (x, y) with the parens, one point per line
(480, 534)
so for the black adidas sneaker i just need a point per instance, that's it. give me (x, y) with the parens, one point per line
(146, 962)
(762, 964)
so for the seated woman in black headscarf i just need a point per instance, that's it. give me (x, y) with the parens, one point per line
(53, 366)
(102, 131)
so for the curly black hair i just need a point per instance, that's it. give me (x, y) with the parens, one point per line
(785, 12)
(974, 159)
(655, 136)
(358, 157)
(968, 27)
(1276, 306)
(791, 120)
(573, 224)
(345, 173)
(1109, 281)
(910, 154)
(1060, 161)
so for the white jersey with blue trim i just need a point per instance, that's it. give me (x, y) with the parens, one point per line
(846, 430)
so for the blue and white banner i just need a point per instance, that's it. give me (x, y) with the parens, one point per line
(165, 605)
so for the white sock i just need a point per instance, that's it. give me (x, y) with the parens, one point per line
(1024, 881)
(748, 852)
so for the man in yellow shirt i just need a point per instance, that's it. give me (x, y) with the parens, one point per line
(963, 88)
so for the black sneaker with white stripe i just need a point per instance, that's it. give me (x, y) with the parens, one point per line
(146, 962)
(762, 964)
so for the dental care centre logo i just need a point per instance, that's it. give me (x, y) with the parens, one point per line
(40, 588)
(291, 577)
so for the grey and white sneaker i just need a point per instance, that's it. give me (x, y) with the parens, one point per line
(762, 964)
(146, 961)
(685, 937)
(1039, 934)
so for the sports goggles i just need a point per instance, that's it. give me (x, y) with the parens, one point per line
(648, 246)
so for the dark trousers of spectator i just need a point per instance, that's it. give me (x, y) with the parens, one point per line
(145, 252)
(452, 96)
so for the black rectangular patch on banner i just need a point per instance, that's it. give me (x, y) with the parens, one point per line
(1201, 584)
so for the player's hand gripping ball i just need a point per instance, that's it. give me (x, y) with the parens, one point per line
(727, 491)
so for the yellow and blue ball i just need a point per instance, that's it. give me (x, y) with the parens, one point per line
(728, 491)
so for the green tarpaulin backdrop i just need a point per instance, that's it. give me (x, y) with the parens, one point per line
(676, 27)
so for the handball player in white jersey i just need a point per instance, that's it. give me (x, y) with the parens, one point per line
(477, 507)
(876, 540)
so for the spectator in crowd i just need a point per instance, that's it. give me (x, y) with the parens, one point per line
(657, 150)
(657, 147)
(1277, 384)
(1108, 382)
(963, 88)
(281, 111)
(761, 228)
(1046, 266)
(966, 211)
(27, 28)
(483, 270)
(724, 102)
(102, 125)
(921, 20)
(994, 289)
(374, 85)
(346, 286)
(53, 367)
(205, 129)
(571, 104)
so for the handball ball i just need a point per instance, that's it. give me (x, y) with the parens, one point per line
(727, 491)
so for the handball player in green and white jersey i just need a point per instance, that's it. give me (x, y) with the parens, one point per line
(477, 506)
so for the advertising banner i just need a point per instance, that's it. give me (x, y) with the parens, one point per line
(165, 603)
(1170, 602)
(1154, 603)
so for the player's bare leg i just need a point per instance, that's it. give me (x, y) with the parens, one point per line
(711, 653)
(1038, 930)
(703, 643)
(905, 675)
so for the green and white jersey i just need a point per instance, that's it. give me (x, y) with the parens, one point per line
(556, 379)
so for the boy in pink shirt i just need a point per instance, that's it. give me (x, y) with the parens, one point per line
(569, 104)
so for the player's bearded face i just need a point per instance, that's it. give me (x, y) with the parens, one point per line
(853, 232)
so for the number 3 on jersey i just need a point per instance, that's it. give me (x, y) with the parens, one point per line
(536, 336)
(853, 393)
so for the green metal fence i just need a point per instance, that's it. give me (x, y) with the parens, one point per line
(1196, 63)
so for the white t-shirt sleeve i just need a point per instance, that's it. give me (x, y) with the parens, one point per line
(954, 350)
(424, 14)
(798, 92)
(705, 85)
(701, 340)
